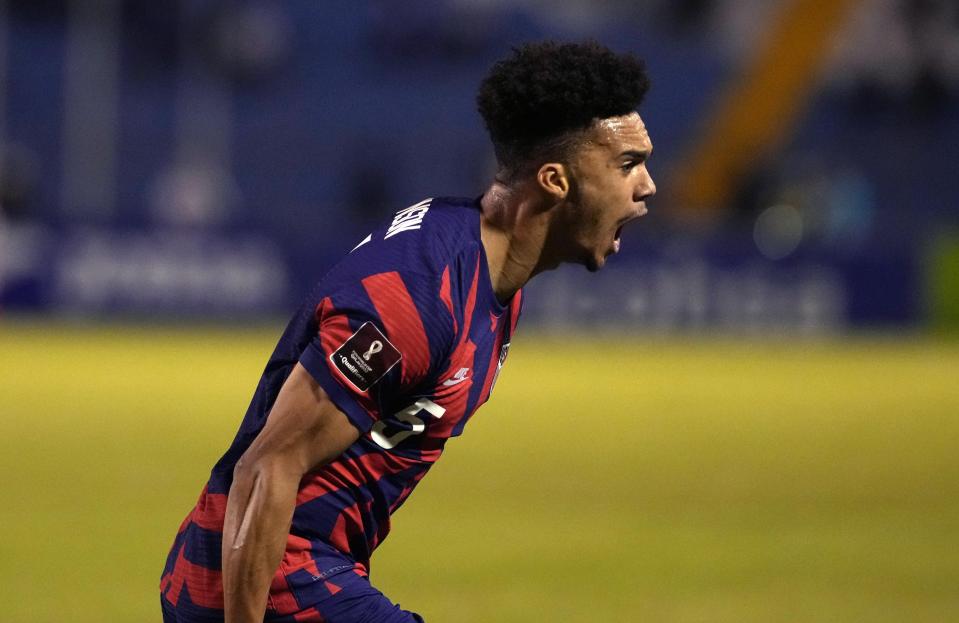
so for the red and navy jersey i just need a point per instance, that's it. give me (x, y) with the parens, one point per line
(407, 337)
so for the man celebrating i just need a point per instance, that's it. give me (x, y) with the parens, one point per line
(401, 342)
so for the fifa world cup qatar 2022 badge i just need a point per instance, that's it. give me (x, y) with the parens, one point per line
(366, 357)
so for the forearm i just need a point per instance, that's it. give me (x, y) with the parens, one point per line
(304, 431)
(258, 514)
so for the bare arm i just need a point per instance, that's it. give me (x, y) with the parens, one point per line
(304, 430)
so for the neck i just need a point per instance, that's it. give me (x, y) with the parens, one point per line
(513, 228)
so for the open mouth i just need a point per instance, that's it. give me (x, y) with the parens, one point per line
(622, 225)
(616, 237)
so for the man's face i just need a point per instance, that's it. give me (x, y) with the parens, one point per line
(609, 187)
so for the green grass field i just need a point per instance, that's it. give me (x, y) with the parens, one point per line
(644, 480)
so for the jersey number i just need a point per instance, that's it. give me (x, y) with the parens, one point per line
(409, 415)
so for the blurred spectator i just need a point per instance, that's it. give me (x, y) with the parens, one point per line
(246, 42)
(899, 53)
(193, 193)
(19, 177)
(22, 238)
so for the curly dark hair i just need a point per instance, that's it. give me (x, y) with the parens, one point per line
(538, 102)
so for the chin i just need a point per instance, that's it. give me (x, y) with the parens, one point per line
(590, 259)
(593, 264)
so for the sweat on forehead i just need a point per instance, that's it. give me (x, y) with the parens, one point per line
(615, 130)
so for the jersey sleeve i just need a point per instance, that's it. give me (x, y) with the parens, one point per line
(377, 342)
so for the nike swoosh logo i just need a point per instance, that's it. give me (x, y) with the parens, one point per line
(458, 378)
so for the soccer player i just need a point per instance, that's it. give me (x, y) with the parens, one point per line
(401, 342)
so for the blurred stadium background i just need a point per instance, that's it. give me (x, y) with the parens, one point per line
(751, 415)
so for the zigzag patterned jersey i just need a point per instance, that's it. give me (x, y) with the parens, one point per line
(406, 336)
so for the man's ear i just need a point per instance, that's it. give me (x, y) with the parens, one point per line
(553, 179)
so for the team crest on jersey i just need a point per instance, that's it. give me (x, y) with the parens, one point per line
(366, 357)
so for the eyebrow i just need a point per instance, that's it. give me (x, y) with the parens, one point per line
(634, 153)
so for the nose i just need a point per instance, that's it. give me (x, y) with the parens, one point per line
(645, 189)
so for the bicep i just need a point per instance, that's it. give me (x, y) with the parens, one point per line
(304, 429)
